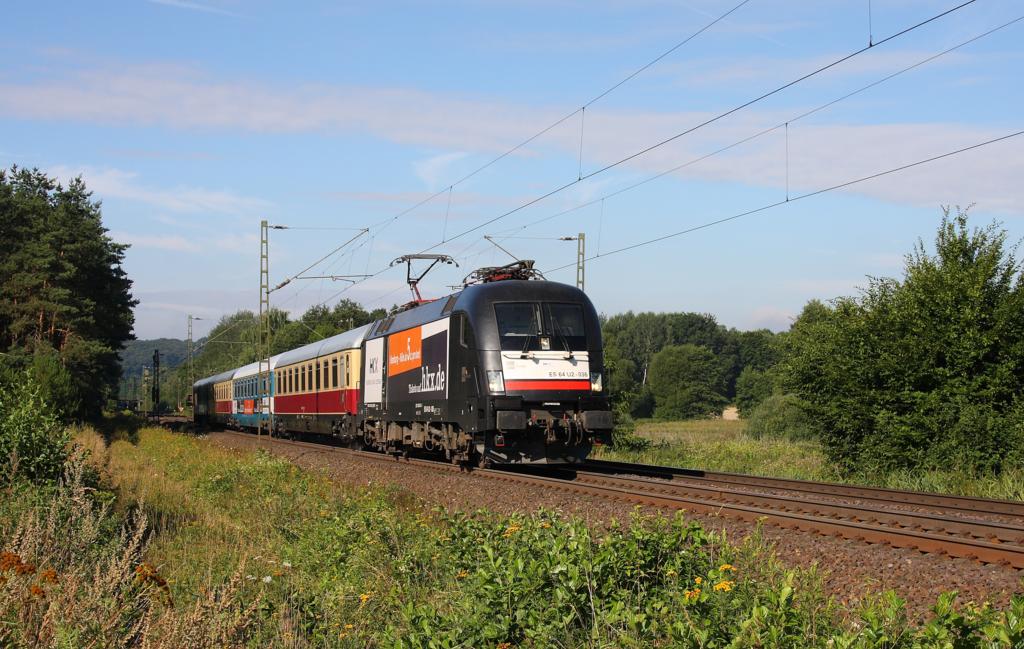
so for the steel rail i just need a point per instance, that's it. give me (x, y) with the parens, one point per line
(997, 531)
(820, 522)
(968, 504)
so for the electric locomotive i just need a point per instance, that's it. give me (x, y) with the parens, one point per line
(504, 371)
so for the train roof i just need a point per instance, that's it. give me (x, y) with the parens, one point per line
(216, 378)
(475, 297)
(350, 339)
(252, 369)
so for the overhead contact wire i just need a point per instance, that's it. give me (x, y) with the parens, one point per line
(646, 150)
(793, 199)
(770, 129)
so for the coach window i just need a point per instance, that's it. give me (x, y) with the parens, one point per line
(309, 377)
(334, 372)
(318, 370)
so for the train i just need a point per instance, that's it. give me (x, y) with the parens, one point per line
(507, 370)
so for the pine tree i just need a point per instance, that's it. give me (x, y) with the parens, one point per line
(62, 286)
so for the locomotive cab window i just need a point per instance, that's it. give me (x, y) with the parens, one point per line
(567, 325)
(518, 324)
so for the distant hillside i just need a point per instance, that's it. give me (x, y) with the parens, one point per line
(173, 352)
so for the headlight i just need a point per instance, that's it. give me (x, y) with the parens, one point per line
(596, 382)
(495, 381)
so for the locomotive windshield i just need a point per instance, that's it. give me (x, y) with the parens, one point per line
(533, 326)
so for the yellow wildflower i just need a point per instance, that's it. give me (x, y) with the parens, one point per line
(545, 525)
(350, 626)
(726, 567)
(364, 597)
(691, 595)
(698, 581)
(512, 529)
(462, 574)
(671, 573)
(725, 586)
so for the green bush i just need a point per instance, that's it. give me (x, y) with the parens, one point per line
(922, 372)
(781, 416)
(33, 443)
(624, 437)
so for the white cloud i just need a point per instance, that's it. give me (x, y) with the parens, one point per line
(117, 183)
(163, 242)
(432, 171)
(193, 6)
(770, 317)
(820, 154)
(706, 72)
(164, 313)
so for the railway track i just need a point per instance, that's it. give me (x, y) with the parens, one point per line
(931, 523)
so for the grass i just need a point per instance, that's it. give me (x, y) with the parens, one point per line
(720, 445)
(164, 540)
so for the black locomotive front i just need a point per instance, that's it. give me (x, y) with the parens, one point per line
(501, 372)
(540, 372)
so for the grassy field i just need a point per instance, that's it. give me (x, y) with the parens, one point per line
(720, 445)
(163, 540)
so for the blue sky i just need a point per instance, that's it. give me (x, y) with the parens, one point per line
(192, 120)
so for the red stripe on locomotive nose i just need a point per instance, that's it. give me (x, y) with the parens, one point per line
(547, 385)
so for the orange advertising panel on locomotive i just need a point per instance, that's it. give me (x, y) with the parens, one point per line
(405, 351)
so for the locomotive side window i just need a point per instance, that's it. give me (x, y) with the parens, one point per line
(465, 334)
(517, 321)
